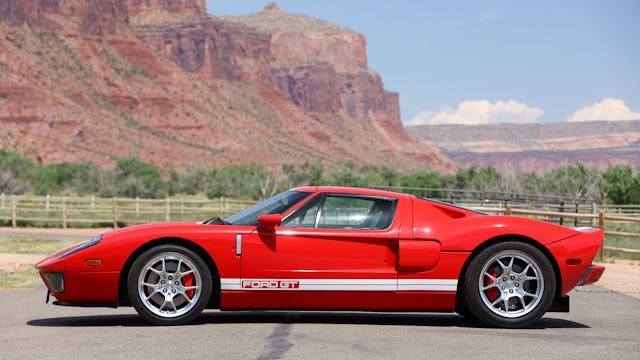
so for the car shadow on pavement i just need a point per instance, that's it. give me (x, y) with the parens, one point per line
(302, 317)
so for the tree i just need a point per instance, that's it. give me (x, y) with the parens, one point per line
(303, 175)
(17, 173)
(345, 175)
(575, 181)
(193, 180)
(427, 179)
(247, 181)
(621, 186)
(135, 178)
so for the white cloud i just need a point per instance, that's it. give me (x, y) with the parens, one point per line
(488, 16)
(476, 112)
(608, 109)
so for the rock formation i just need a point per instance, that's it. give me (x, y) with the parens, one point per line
(94, 80)
(516, 148)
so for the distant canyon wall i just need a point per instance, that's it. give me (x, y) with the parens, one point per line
(98, 79)
(517, 148)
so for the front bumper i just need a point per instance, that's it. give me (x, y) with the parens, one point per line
(83, 285)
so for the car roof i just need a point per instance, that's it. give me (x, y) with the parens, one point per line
(351, 190)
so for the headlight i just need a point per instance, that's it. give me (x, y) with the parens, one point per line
(82, 246)
(55, 281)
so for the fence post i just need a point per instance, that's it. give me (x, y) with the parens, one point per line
(64, 212)
(168, 213)
(594, 211)
(137, 205)
(601, 226)
(13, 211)
(507, 209)
(2, 200)
(93, 202)
(114, 212)
(47, 204)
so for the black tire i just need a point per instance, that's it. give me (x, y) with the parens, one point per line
(461, 307)
(164, 294)
(514, 294)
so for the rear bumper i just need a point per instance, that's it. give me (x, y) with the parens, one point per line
(574, 257)
(593, 274)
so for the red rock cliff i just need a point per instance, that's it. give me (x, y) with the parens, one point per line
(163, 80)
(162, 11)
(95, 17)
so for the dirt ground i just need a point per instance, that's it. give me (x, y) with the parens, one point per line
(18, 262)
(622, 276)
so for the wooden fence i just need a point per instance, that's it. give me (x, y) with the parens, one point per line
(63, 211)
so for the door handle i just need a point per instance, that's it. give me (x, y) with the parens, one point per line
(238, 244)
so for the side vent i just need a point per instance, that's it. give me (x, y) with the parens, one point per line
(450, 212)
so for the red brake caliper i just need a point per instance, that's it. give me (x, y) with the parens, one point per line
(492, 293)
(188, 281)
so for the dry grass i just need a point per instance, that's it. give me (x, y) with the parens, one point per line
(25, 245)
(19, 254)
(18, 279)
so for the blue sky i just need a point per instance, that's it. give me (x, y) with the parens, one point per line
(492, 61)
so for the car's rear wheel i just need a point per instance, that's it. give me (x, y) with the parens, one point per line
(510, 284)
(169, 285)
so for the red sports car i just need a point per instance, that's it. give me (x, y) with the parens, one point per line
(331, 248)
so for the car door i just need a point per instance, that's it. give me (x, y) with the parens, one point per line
(336, 251)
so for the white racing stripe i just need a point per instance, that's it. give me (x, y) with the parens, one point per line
(428, 284)
(340, 284)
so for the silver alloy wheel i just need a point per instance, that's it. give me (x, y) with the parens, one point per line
(169, 285)
(511, 284)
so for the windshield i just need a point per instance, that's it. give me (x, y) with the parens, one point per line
(278, 204)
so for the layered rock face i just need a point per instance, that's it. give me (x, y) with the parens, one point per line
(93, 80)
(163, 11)
(141, 7)
(516, 148)
(95, 17)
(32, 12)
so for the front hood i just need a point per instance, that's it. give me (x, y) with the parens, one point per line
(167, 230)
(150, 226)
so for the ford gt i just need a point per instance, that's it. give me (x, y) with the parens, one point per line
(333, 248)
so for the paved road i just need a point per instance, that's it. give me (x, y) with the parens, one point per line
(602, 325)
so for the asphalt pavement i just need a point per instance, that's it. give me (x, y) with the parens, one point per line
(601, 325)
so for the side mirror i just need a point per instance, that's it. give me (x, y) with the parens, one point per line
(269, 222)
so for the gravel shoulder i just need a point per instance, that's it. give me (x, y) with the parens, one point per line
(622, 276)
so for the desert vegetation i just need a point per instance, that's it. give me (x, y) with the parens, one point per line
(135, 179)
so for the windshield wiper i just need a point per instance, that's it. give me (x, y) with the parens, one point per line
(216, 220)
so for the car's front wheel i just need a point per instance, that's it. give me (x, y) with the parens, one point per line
(510, 284)
(169, 285)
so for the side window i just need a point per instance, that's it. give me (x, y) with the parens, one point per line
(344, 212)
(306, 216)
